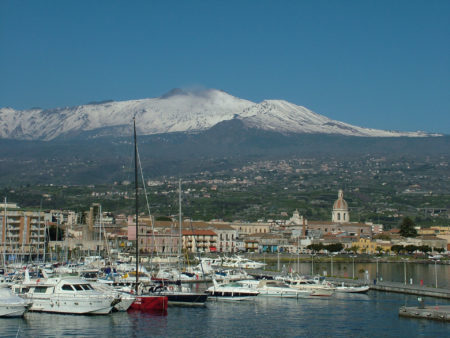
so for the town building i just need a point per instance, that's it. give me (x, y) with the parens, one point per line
(21, 231)
(366, 245)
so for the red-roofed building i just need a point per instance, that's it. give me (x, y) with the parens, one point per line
(199, 240)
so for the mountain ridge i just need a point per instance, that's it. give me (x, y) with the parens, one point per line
(176, 111)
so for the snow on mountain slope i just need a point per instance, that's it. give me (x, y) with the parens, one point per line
(176, 111)
(282, 116)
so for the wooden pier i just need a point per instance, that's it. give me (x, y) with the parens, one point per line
(441, 312)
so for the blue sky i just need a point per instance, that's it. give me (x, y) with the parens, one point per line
(380, 64)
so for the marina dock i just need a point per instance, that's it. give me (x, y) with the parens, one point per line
(428, 312)
(399, 288)
(412, 289)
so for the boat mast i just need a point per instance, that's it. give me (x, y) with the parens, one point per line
(4, 232)
(180, 225)
(136, 204)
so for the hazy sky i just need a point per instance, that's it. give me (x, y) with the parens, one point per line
(379, 64)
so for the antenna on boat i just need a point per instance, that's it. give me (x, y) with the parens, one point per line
(136, 204)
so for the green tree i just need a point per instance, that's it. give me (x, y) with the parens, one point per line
(397, 248)
(407, 228)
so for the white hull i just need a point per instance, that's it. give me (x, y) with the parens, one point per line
(352, 289)
(283, 294)
(231, 299)
(124, 304)
(71, 305)
(12, 310)
(11, 305)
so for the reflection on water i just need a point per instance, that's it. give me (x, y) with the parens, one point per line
(343, 315)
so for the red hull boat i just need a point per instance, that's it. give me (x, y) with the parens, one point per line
(155, 304)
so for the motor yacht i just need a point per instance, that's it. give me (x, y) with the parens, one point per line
(230, 291)
(316, 289)
(275, 288)
(70, 295)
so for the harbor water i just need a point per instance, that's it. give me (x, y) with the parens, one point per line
(355, 315)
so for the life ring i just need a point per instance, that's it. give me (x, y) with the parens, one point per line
(170, 288)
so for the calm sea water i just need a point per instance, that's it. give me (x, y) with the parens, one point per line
(371, 315)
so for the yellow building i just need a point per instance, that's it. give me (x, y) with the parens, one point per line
(368, 246)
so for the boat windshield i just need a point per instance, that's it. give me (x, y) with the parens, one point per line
(234, 285)
(67, 287)
(78, 287)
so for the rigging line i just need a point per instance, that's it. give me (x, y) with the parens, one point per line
(152, 219)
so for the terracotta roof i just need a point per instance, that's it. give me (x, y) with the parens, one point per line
(197, 232)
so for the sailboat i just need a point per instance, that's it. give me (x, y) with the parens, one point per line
(178, 295)
(143, 303)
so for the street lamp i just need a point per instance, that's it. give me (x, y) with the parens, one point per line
(353, 258)
(278, 258)
(404, 268)
(331, 265)
(377, 259)
(435, 272)
(312, 264)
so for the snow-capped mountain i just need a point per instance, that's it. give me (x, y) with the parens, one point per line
(176, 111)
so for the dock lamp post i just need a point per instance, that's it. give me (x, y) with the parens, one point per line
(312, 264)
(435, 272)
(331, 265)
(377, 259)
(404, 268)
(353, 259)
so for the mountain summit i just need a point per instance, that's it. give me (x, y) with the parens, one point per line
(176, 111)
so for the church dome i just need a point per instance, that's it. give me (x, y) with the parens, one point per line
(340, 203)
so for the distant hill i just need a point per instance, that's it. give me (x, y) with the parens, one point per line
(228, 144)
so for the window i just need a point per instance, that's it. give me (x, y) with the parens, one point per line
(339, 216)
(78, 287)
(40, 289)
(67, 287)
(344, 217)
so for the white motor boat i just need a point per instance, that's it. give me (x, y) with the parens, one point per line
(65, 295)
(12, 305)
(352, 289)
(230, 291)
(316, 289)
(275, 288)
